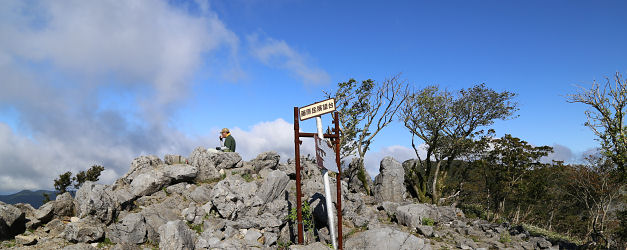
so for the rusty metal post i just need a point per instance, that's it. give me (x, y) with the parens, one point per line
(299, 222)
(338, 181)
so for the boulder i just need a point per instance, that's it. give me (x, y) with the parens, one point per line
(97, 200)
(226, 160)
(389, 185)
(174, 159)
(125, 246)
(45, 212)
(80, 246)
(86, 230)
(262, 221)
(233, 196)
(179, 188)
(312, 246)
(159, 214)
(180, 172)
(252, 237)
(150, 182)
(12, 221)
(265, 160)
(426, 231)
(26, 240)
(411, 215)
(131, 229)
(28, 210)
(206, 167)
(385, 238)
(190, 213)
(353, 172)
(63, 205)
(54, 227)
(147, 183)
(201, 194)
(141, 165)
(176, 235)
(273, 186)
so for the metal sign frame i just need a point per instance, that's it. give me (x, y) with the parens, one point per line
(335, 139)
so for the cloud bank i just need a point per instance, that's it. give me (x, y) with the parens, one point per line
(96, 82)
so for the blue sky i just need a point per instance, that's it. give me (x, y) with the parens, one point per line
(103, 82)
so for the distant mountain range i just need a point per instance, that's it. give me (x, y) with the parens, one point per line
(34, 198)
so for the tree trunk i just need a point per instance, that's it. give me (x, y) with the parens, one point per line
(434, 190)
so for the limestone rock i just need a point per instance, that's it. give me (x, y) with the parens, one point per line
(312, 246)
(12, 221)
(96, 199)
(80, 246)
(180, 172)
(176, 235)
(141, 165)
(131, 229)
(201, 194)
(159, 214)
(273, 186)
(252, 236)
(179, 188)
(174, 159)
(148, 183)
(26, 240)
(385, 238)
(206, 167)
(411, 215)
(265, 220)
(233, 196)
(63, 205)
(28, 210)
(265, 160)
(389, 185)
(45, 212)
(352, 174)
(226, 160)
(86, 230)
(54, 227)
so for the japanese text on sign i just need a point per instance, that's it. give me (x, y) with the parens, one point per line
(317, 109)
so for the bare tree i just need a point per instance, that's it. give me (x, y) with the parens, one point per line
(364, 110)
(596, 188)
(606, 118)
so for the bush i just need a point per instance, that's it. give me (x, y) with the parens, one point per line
(307, 216)
(428, 221)
(472, 211)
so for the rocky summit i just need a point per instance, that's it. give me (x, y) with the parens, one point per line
(217, 201)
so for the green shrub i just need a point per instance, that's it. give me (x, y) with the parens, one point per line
(306, 214)
(505, 238)
(473, 211)
(197, 228)
(428, 221)
(553, 236)
(247, 177)
(105, 243)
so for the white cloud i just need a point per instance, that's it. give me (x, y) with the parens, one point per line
(57, 57)
(560, 153)
(137, 42)
(277, 135)
(96, 82)
(278, 53)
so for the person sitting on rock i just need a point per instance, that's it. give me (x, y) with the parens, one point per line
(227, 141)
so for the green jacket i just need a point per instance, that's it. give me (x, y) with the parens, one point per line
(229, 142)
